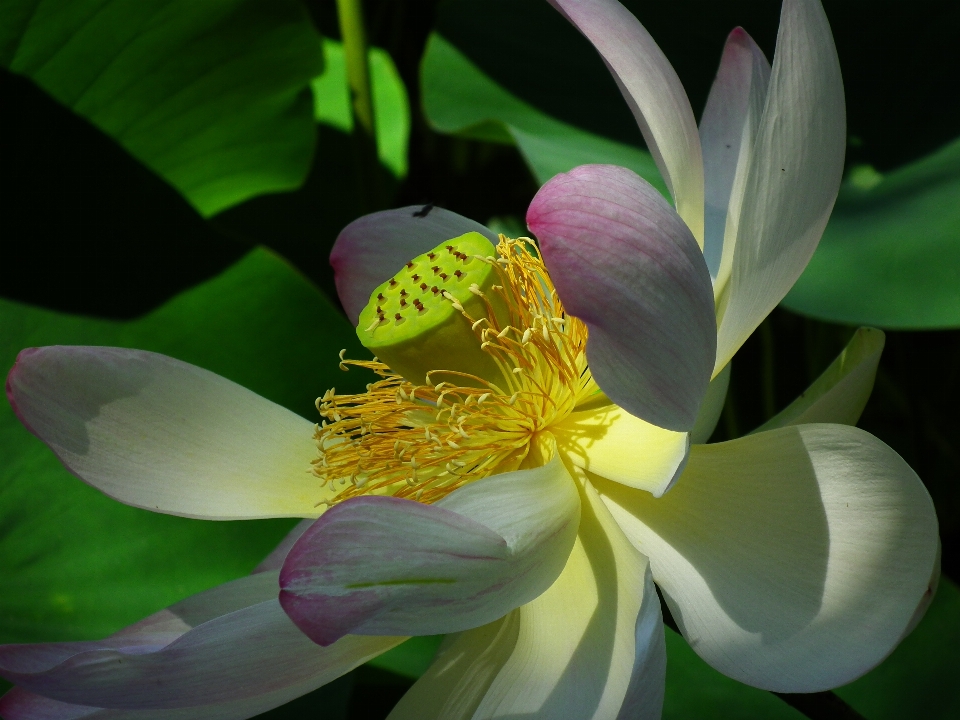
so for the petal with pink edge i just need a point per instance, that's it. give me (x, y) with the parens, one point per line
(793, 176)
(728, 130)
(18, 704)
(655, 96)
(228, 644)
(374, 565)
(591, 646)
(625, 263)
(165, 435)
(374, 248)
(793, 560)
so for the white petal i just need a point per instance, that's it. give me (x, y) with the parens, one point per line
(374, 248)
(728, 130)
(653, 91)
(164, 435)
(793, 176)
(610, 442)
(588, 645)
(386, 566)
(841, 392)
(228, 644)
(793, 560)
(712, 407)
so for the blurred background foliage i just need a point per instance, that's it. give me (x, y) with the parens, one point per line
(175, 173)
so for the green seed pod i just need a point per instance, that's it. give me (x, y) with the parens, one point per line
(415, 322)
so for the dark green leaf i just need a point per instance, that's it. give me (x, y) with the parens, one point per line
(481, 79)
(212, 96)
(890, 256)
(76, 564)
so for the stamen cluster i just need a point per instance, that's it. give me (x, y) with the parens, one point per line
(424, 441)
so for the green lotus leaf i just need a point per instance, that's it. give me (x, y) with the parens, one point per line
(212, 96)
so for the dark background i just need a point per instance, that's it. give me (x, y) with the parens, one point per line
(86, 229)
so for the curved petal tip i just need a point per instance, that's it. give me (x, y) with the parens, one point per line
(625, 263)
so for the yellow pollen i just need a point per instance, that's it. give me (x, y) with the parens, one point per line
(422, 441)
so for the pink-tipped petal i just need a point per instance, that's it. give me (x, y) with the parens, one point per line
(591, 646)
(654, 93)
(793, 176)
(625, 263)
(18, 704)
(165, 435)
(375, 565)
(375, 247)
(229, 645)
(728, 129)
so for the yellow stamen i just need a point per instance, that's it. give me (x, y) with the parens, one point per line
(422, 441)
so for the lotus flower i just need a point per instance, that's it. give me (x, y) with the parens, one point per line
(520, 470)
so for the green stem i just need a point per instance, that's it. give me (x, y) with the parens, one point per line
(356, 53)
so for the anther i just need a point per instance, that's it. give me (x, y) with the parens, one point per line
(458, 273)
(393, 283)
(380, 297)
(415, 278)
(423, 286)
(436, 269)
(432, 256)
(403, 293)
(410, 265)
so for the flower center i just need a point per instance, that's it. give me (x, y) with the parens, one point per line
(469, 384)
